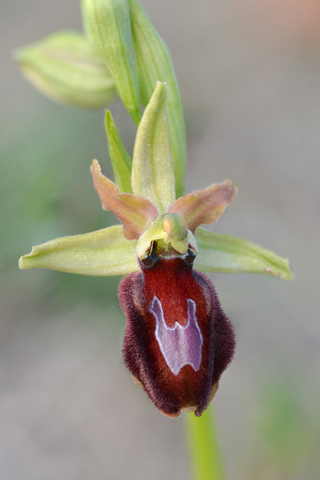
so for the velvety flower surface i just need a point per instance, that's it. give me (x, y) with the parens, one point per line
(178, 340)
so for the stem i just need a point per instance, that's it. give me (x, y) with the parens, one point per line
(204, 450)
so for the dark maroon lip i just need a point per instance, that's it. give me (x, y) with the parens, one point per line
(178, 340)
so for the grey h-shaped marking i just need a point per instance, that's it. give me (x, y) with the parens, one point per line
(180, 345)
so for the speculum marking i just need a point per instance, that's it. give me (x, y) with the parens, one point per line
(180, 345)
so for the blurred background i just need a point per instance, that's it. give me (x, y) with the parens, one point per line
(249, 72)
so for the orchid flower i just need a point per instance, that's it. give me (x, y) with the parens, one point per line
(178, 340)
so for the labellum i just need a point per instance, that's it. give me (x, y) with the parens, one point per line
(178, 341)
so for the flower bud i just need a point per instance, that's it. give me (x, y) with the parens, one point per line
(66, 68)
(178, 341)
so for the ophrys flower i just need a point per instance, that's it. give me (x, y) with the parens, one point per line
(178, 341)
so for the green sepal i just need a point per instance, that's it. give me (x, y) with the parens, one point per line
(66, 68)
(104, 252)
(226, 253)
(108, 24)
(153, 64)
(120, 159)
(152, 173)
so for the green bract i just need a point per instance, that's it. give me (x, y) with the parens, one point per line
(151, 214)
(153, 64)
(120, 159)
(66, 68)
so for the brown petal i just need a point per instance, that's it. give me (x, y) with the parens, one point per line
(204, 206)
(134, 212)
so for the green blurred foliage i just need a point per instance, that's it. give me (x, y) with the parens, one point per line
(46, 191)
(287, 431)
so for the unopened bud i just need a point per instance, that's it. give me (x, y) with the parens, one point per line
(66, 68)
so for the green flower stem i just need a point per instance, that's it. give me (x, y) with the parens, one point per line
(204, 450)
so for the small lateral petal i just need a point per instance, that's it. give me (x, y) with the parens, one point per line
(134, 212)
(104, 252)
(204, 206)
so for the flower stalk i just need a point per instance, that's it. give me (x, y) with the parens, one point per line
(204, 448)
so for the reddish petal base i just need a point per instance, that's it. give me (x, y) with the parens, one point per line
(178, 341)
